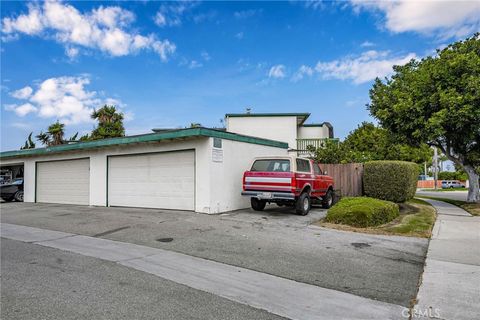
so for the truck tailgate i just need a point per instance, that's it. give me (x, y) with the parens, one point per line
(268, 181)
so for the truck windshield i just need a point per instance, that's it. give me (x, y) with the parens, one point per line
(271, 165)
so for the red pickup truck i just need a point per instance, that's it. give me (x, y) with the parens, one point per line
(288, 181)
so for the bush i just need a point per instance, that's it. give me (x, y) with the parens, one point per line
(390, 180)
(362, 212)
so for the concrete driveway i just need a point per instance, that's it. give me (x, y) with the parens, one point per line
(274, 242)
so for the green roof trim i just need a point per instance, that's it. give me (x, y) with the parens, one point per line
(150, 137)
(303, 116)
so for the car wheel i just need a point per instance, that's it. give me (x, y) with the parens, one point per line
(19, 196)
(303, 204)
(257, 204)
(327, 201)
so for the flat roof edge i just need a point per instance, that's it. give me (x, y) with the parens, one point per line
(150, 137)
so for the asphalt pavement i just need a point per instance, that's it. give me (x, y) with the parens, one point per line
(44, 283)
(454, 195)
(276, 242)
(276, 295)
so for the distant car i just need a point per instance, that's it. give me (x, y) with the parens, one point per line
(12, 191)
(450, 184)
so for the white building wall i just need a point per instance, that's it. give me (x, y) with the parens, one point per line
(312, 132)
(226, 176)
(275, 128)
(217, 184)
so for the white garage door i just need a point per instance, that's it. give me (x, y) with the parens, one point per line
(157, 180)
(65, 181)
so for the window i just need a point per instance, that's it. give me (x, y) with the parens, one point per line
(303, 165)
(316, 169)
(271, 165)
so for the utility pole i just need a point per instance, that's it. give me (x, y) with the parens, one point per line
(435, 166)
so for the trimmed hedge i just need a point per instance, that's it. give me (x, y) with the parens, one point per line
(362, 212)
(394, 181)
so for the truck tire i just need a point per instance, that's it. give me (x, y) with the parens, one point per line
(303, 204)
(257, 204)
(327, 201)
(19, 196)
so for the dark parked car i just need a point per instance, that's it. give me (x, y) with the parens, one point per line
(12, 191)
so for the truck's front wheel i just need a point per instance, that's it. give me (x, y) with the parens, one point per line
(302, 207)
(257, 204)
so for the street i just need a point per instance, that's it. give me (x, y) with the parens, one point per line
(274, 242)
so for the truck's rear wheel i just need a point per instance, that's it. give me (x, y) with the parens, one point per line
(257, 204)
(327, 200)
(302, 207)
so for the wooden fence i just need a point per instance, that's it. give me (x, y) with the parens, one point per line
(348, 178)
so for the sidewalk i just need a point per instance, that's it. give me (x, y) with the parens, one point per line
(451, 280)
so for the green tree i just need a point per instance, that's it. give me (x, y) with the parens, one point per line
(110, 123)
(369, 142)
(195, 125)
(437, 101)
(54, 135)
(29, 144)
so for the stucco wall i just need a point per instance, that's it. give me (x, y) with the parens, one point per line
(218, 184)
(226, 176)
(98, 168)
(312, 132)
(274, 128)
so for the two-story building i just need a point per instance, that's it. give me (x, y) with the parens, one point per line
(287, 127)
(197, 169)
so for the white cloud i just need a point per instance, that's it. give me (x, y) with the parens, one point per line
(64, 98)
(367, 44)
(446, 18)
(302, 72)
(21, 110)
(171, 14)
(194, 64)
(71, 52)
(245, 14)
(363, 68)
(205, 56)
(23, 93)
(277, 71)
(103, 28)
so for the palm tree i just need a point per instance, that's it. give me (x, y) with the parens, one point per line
(29, 144)
(57, 131)
(54, 135)
(110, 123)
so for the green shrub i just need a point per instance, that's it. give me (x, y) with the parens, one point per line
(390, 180)
(362, 212)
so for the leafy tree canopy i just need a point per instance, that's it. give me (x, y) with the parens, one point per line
(437, 101)
(369, 142)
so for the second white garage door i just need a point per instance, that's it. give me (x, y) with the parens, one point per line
(157, 180)
(65, 181)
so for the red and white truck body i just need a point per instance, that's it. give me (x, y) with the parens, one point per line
(285, 181)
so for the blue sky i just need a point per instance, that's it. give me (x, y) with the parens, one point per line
(167, 64)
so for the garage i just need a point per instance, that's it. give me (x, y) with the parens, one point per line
(64, 181)
(163, 180)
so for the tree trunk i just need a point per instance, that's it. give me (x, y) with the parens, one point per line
(473, 189)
